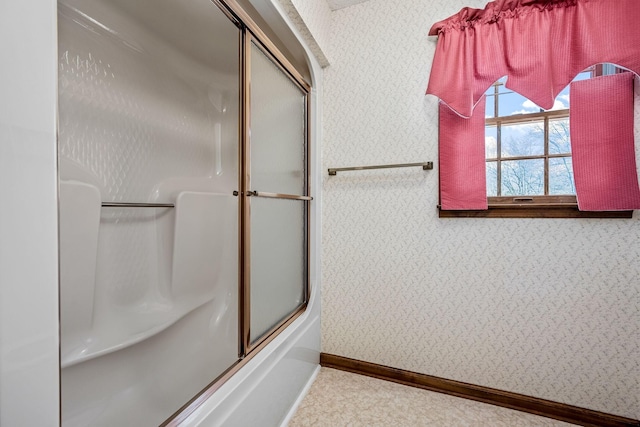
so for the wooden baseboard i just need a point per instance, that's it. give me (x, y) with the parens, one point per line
(533, 405)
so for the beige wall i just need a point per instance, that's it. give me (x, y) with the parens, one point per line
(544, 307)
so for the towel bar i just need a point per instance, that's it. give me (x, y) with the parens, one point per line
(424, 165)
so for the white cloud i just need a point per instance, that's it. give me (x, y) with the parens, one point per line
(558, 105)
(531, 107)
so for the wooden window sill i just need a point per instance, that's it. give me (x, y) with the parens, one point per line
(555, 210)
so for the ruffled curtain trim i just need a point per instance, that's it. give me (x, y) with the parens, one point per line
(494, 12)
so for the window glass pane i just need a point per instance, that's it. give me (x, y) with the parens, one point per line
(523, 177)
(490, 107)
(559, 139)
(492, 179)
(561, 176)
(491, 142)
(510, 103)
(525, 139)
(277, 129)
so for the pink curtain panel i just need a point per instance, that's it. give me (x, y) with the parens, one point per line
(463, 183)
(602, 146)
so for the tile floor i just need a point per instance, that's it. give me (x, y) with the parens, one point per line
(341, 399)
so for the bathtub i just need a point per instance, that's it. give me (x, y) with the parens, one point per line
(265, 388)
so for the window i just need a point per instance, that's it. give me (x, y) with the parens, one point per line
(528, 154)
(528, 149)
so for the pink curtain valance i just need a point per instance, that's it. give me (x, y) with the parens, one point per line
(540, 45)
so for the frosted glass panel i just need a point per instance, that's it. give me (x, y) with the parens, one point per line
(148, 113)
(278, 165)
(278, 261)
(278, 132)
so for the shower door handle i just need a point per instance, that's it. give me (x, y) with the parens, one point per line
(277, 195)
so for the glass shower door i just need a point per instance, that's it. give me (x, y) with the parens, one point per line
(149, 110)
(277, 190)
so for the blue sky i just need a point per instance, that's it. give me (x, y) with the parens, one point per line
(512, 103)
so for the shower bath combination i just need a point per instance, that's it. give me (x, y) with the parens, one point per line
(171, 114)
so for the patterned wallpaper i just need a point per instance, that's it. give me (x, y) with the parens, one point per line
(543, 307)
(312, 18)
(339, 4)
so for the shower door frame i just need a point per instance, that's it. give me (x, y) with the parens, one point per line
(251, 33)
(246, 193)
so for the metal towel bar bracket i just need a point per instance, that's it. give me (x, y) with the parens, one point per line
(424, 165)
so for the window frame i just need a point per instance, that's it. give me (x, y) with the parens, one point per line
(533, 210)
(544, 118)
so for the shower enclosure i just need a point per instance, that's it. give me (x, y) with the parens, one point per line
(183, 203)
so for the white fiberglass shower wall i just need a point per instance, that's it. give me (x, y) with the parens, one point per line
(148, 162)
(153, 191)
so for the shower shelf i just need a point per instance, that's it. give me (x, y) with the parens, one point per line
(95, 346)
